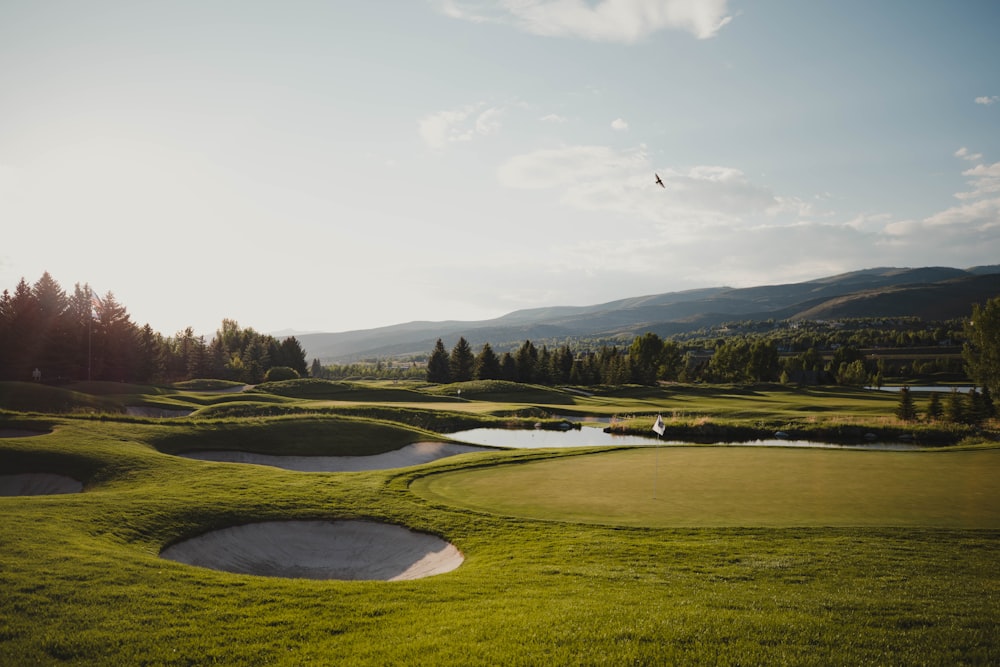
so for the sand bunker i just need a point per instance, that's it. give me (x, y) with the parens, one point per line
(350, 550)
(415, 454)
(38, 484)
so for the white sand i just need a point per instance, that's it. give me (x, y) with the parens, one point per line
(414, 454)
(350, 550)
(38, 484)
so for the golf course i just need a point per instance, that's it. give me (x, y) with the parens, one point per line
(319, 522)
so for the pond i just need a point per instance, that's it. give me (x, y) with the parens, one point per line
(596, 437)
(941, 389)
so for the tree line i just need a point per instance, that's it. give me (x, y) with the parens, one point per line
(746, 358)
(78, 336)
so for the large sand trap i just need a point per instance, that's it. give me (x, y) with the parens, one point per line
(415, 454)
(351, 550)
(38, 484)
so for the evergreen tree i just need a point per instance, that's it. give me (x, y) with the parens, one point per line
(508, 367)
(989, 409)
(487, 364)
(906, 410)
(543, 366)
(437, 365)
(954, 411)
(462, 362)
(934, 408)
(289, 353)
(525, 359)
(562, 365)
(974, 411)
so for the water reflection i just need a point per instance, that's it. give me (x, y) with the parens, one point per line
(941, 389)
(596, 437)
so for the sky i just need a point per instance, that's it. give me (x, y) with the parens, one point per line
(332, 166)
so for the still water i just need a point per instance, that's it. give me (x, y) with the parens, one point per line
(596, 437)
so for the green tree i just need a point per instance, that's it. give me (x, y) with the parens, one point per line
(487, 364)
(853, 373)
(934, 408)
(730, 361)
(289, 353)
(508, 367)
(525, 360)
(954, 410)
(279, 373)
(906, 410)
(462, 362)
(981, 350)
(438, 364)
(763, 363)
(645, 354)
(562, 365)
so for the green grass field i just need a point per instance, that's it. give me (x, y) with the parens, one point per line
(737, 487)
(744, 556)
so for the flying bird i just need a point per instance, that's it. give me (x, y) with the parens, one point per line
(658, 181)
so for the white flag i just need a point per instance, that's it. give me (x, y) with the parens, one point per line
(659, 426)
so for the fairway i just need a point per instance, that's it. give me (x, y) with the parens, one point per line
(737, 487)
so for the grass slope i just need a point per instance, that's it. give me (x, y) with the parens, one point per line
(738, 486)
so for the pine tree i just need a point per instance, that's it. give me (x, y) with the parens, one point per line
(905, 410)
(437, 365)
(525, 359)
(954, 410)
(989, 409)
(934, 409)
(974, 412)
(461, 363)
(487, 364)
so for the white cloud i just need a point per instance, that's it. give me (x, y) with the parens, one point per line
(964, 153)
(606, 20)
(987, 100)
(457, 125)
(599, 178)
(619, 124)
(553, 118)
(984, 179)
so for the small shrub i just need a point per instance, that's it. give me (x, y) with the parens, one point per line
(280, 373)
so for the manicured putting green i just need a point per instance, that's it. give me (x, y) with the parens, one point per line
(737, 486)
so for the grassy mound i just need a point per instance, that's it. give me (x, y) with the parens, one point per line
(302, 436)
(318, 389)
(502, 391)
(35, 397)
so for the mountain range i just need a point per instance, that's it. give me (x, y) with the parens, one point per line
(929, 293)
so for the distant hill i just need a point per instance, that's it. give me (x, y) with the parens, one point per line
(930, 293)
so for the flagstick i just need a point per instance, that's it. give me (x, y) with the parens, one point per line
(656, 466)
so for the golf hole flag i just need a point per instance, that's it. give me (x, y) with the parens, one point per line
(659, 426)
